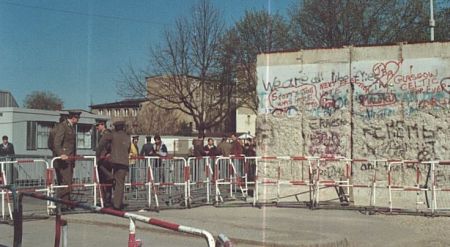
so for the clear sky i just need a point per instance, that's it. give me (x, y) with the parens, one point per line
(75, 48)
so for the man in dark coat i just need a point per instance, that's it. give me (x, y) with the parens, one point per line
(103, 165)
(51, 135)
(65, 145)
(7, 148)
(120, 147)
(147, 148)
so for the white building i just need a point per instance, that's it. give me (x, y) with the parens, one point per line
(28, 129)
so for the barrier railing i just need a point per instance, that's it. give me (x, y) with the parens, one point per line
(85, 176)
(169, 179)
(26, 175)
(276, 179)
(332, 173)
(201, 176)
(407, 176)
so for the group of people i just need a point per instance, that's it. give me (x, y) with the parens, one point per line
(115, 152)
(228, 146)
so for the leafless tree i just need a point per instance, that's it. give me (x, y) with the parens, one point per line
(335, 23)
(187, 72)
(257, 32)
(43, 100)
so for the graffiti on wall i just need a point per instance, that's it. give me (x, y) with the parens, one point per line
(397, 139)
(379, 88)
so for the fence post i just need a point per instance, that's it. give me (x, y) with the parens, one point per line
(17, 217)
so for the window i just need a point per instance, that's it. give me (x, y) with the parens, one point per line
(116, 112)
(109, 112)
(37, 134)
(134, 112)
(31, 135)
(84, 136)
(42, 133)
(125, 112)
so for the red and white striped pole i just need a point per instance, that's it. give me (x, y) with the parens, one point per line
(132, 241)
(152, 221)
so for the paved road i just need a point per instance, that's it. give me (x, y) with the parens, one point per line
(246, 226)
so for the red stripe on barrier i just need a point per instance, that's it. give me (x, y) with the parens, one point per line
(25, 161)
(187, 174)
(113, 212)
(412, 189)
(299, 158)
(444, 162)
(361, 186)
(393, 160)
(297, 182)
(165, 224)
(268, 158)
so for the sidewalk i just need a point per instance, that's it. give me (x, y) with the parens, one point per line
(246, 226)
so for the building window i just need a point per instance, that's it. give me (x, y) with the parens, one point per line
(31, 135)
(42, 133)
(38, 132)
(134, 112)
(116, 112)
(84, 136)
(109, 112)
(100, 112)
(125, 112)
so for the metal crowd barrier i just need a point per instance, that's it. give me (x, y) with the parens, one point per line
(27, 175)
(176, 182)
(200, 179)
(84, 182)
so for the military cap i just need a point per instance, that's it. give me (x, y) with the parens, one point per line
(135, 137)
(100, 121)
(74, 114)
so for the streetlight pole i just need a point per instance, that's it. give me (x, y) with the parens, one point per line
(431, 21)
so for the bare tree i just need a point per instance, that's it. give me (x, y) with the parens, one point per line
(43, 100)
(257, 32)
(443, 20)
(187, 74)
(335, 23)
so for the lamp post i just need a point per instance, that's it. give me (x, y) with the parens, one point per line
(432, 22)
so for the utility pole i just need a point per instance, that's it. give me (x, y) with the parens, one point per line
(432, 22)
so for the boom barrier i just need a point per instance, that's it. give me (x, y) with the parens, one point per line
(131, 216)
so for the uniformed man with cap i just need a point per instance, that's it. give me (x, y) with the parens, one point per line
(51, 135)
(120, 146)
(65, 145)
(103, 165)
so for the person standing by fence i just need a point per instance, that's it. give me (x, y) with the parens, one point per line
(7, 149)
(7, 154)
(65, 146)
(103, 165)
(120, 149)
(147, 148)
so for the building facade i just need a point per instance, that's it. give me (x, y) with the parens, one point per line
(28, 130)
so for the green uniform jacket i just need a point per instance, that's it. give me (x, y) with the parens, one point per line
(65, 141)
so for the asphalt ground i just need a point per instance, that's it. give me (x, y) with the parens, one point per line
(245, 226)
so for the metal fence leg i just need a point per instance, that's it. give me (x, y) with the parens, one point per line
(18, 219)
